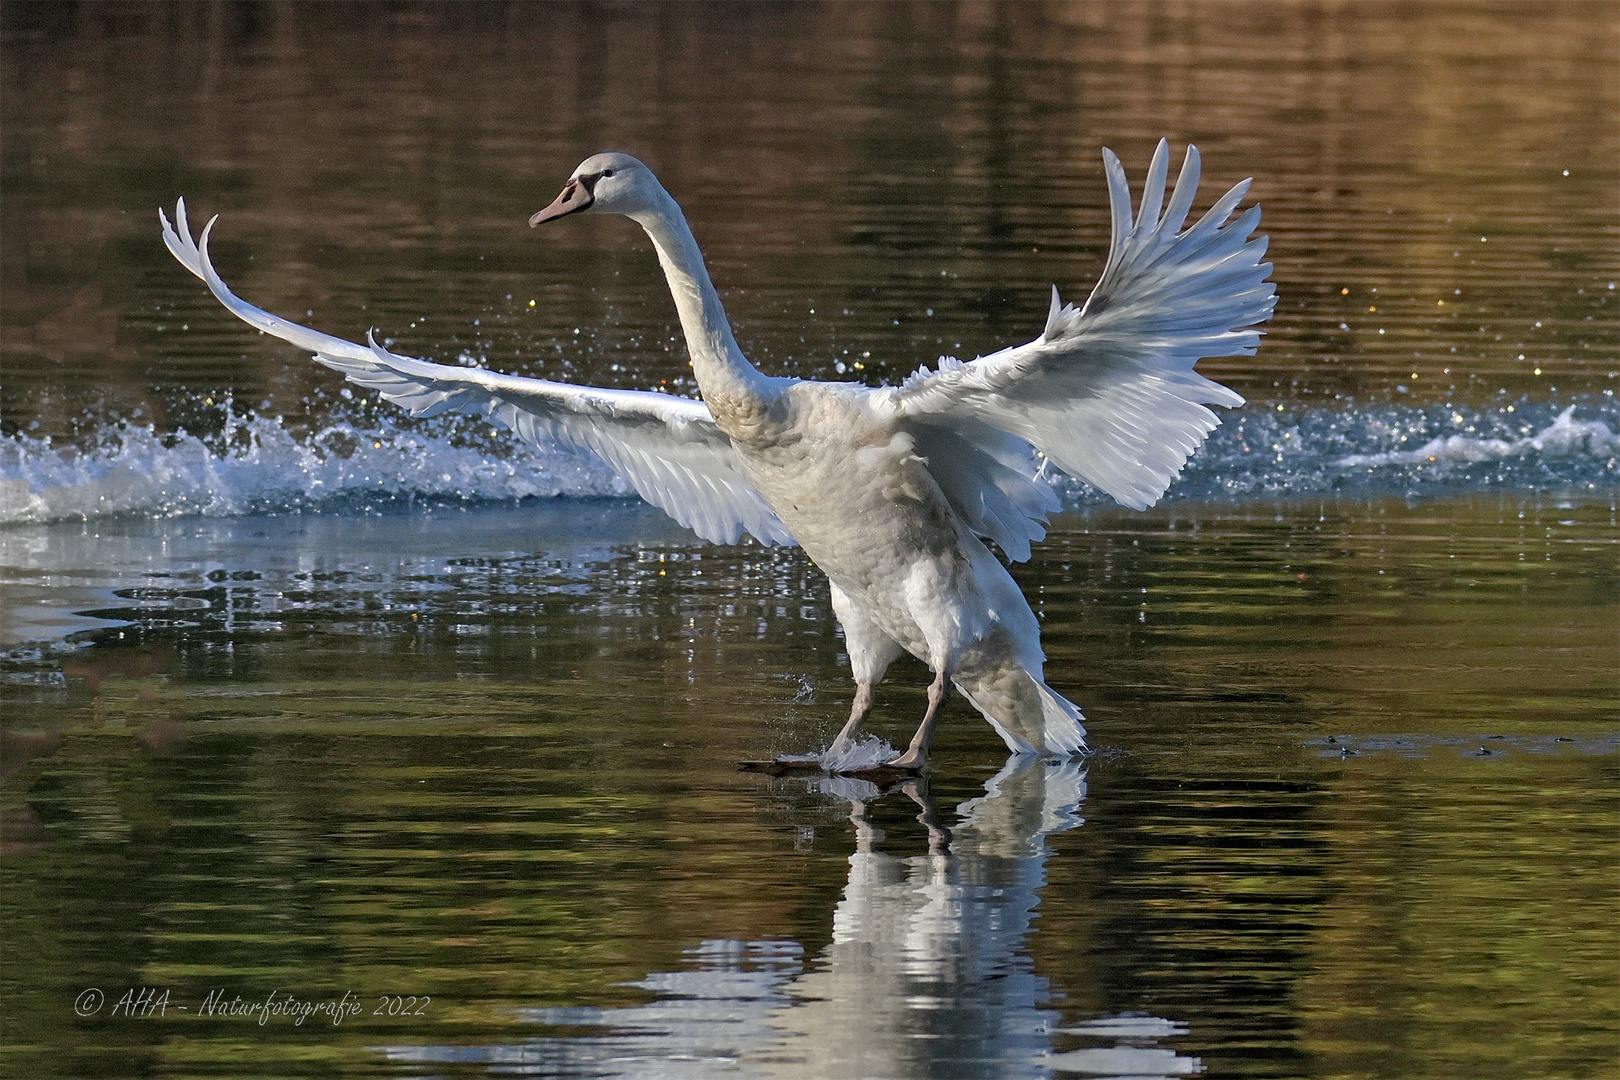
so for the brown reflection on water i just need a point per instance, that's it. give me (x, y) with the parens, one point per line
(499, 771)
(96, 665)
(506, 779)
(1370, 616)
(374, 165)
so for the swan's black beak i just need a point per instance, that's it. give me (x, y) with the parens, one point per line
(575, 198)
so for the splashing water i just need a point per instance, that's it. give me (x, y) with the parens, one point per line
(1566, 437)
(1416, 452)
(260, 466)
(866, 753)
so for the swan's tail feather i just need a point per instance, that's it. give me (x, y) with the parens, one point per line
(1063, 721)
(1030, 716)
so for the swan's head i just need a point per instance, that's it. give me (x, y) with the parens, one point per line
(609, 183)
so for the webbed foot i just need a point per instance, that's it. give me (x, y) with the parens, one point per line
(913, 760)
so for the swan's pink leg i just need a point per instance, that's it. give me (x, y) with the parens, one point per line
(916, 755)
(857, 712)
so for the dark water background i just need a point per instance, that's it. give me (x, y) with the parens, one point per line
(301, 699)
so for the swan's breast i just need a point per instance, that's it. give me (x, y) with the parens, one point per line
(852, 490)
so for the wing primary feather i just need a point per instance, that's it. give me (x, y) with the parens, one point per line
(1181, 200)
(1119, 203)
(1108, 393)
(1054, 321)
(1153, 187)
(1217, 214)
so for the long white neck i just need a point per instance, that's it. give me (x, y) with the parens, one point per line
(726, 379)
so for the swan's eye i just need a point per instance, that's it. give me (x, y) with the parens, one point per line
(607, 172)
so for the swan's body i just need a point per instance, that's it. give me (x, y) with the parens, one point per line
(893, 490)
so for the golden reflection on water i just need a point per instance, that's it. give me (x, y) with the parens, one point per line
(506, 780)
(873, 185)
(1354, 811)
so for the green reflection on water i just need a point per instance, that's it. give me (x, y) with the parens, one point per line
(494, 765)
(519, 791)
(899, 182)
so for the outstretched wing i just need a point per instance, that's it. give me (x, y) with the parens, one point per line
(1108, 392)
(668, 448)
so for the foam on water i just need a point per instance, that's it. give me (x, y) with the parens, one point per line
(259, 465)
(865, 753)
(1437, 450)
(1566, 437)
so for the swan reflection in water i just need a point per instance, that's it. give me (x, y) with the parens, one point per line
(926, 975)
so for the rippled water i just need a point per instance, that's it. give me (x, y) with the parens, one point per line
(302, 699)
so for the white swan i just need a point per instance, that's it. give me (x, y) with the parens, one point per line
(892, 491)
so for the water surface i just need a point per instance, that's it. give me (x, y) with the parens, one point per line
(304, 700)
